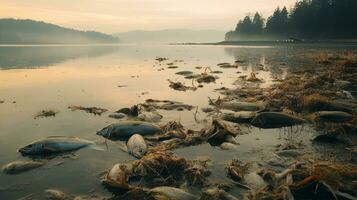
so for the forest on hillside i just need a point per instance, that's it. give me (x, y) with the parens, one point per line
(17, 31)
(308, 19)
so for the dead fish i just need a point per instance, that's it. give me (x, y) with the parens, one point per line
(242, 106)
(150, 117)
(228, 146)
(173, 193)
(224, 63)
(125, 129)
(217, 194)
(205, 78)
(207, 109)
(117, 115)
(132, 111)
(20, 166)
(55, 194)
(333, 116)
(55, 144)
(292, 153)
(275, 120)
(192, 76)
(239, 117)
(338, 105)
(117, 176)
(228, 65)
(137, 146)
(184, 73)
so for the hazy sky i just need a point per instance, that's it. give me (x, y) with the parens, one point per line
(122, 15)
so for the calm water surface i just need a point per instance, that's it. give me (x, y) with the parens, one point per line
(33, 78)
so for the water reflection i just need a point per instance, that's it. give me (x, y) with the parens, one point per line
(18, 57)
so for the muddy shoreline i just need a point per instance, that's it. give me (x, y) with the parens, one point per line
(316, 104)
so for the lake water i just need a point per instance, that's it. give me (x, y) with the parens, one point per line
(34, 78)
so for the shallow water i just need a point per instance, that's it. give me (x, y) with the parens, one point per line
(33, 78)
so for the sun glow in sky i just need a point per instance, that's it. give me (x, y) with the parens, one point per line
(113, 16)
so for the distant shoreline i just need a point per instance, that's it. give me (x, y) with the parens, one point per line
(275, 43)
(60, 44)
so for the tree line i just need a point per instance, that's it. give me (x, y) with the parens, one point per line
(308, 19)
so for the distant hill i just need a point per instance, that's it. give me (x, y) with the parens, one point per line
(18, 31)
(171, 36)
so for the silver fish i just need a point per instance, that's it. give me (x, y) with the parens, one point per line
(20, 166)
(173, 193)
(125, 129)
(54, 144)
(137, 146)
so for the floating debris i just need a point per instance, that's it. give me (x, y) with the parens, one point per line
(161, 59)
(197, 173)
(93, 110)
(160, 168)
(153, 104)
(180, 86)
(205, 78)
(132, 112)
(240, 61)
(236, 170)
(46, 113)
(253, 78)
(221, 132)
